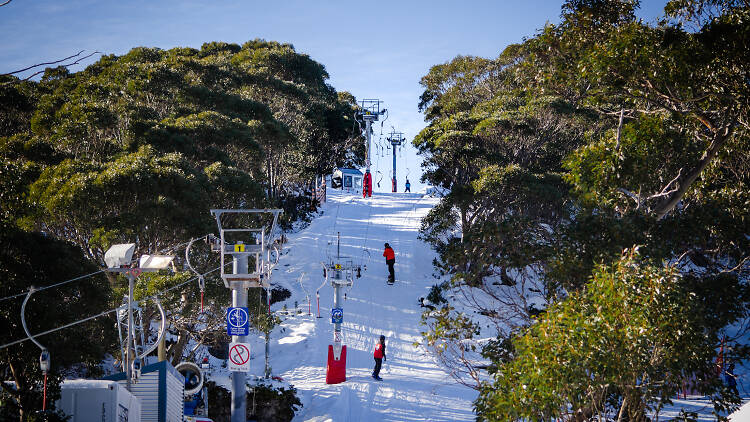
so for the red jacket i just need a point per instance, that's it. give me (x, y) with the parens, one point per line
(379, 351)
(388, 254)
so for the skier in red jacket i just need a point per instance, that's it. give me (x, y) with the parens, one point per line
(379, 356)
(390, 260)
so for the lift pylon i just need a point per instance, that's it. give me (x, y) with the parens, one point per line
(369, 111)
(396, 139)
(245, 242)
(341, 273)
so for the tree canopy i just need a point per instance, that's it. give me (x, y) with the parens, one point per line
(138, 148)
(593, 136)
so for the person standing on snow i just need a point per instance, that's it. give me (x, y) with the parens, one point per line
(408, 186)
(390, 260)
(731, 379)
(379, 356)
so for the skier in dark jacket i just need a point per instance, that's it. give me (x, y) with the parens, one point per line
(379, 356)
(390, 260)
(731, 379)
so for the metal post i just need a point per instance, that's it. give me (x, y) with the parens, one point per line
(368, 123)
(128, 374)
(268, 354)
(337, 340)
(239, 299)
(396, 139)
(394, 168)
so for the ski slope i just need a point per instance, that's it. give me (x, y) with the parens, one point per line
(414, 387)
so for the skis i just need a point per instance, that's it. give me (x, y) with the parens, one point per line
(391, 281)
(377, 378)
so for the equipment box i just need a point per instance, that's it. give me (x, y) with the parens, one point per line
(98, 401)
(160, 388)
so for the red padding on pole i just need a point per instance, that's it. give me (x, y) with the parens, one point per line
(336, 369)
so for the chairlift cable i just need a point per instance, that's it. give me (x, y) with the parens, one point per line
(153, 296)
(38, 289)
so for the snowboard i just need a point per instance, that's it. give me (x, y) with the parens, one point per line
(377, 379)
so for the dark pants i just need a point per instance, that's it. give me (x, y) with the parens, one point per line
(390, 263)
(378, 364)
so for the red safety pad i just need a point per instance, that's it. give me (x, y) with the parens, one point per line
(367, 185)
(336, 369)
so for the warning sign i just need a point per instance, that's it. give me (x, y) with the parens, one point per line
(239, 357)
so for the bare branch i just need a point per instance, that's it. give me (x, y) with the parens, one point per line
(619, 129)
(636, 198)
(720, 138)
(42, 64)
(75, 62)
(664, 191)
(737, 267)
(4, 3)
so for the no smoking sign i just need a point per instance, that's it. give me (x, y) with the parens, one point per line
(239, 357)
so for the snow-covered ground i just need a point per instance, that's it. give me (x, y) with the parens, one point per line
(414, 387)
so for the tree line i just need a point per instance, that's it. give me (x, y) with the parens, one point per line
(593, 240)
(138, 148)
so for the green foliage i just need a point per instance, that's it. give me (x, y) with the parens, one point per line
(273, 404)
(259, 120)
(140, 147)
(33, 259)
(594, 135)
(435, 296)
(636, 331)
(265, 402)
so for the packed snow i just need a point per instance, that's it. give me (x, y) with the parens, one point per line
(414, 387)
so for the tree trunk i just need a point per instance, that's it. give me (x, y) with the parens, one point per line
(17, 393)
(667, 205)
(623, 406)
(162, 349)
(179, 347)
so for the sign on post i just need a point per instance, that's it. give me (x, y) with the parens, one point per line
(337, 315)
(239, 357)
(238, 321)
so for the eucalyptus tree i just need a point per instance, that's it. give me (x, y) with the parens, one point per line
(33, 259)
(139, 147)
(634, 133)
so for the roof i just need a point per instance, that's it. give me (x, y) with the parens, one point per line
(158, 366)
(350, 171)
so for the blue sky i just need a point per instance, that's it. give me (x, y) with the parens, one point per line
(371, 49)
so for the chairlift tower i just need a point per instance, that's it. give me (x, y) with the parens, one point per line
(369, 112)
(396, 139)
(341, 273)
(258, 243)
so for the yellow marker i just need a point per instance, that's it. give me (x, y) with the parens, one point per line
(240, 247)
(337, 266)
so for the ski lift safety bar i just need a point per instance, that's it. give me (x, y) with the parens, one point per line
(256, 278)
